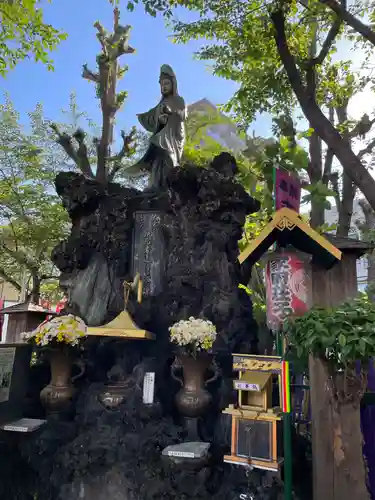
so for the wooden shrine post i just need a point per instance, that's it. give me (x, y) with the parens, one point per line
(287, 229)
(330, 288)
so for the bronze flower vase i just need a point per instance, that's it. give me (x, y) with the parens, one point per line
(57, 396)
(193, 399)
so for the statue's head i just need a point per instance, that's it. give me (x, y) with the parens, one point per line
(168, 81)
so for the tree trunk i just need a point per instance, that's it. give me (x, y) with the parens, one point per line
(348, 188)
(351, 164)
(339, 468)
(350, 472)
(315, 169)
(315, 175)
(35, 290)
(321, 430)
(346, 207)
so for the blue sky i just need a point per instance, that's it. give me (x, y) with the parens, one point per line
(30, 83)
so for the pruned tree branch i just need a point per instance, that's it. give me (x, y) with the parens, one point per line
(126, 147)
(65, 141)
(351, 20)
(113, 46)
(341, 148)
(87, 74)
(82, 155)
(78, 155)
(101, 36)
(126, 150)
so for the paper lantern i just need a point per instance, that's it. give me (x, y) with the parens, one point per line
(288, 286)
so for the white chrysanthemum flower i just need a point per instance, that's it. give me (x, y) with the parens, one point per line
(195, 332)
(62, 329)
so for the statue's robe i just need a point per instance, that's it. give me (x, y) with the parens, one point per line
(167, 141)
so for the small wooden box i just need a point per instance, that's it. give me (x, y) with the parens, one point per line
(254, 390)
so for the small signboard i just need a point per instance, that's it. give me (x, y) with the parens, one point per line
(287, 190)
(148, 388)
(23, 425)
(243, 386)
(181, 454)
(249, 362)
(192, 450)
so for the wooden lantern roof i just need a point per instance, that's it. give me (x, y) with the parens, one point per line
(350, 245)
(286, 227)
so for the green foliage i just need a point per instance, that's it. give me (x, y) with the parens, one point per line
(238, 40)
(257, 292)
(241, 47)
(342, 335)
(318, 193)
(24, 32)
(201, 146)
(32, 220)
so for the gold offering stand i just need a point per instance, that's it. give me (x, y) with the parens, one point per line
(121, 328)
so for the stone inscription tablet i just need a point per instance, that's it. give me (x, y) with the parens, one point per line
(148, 251)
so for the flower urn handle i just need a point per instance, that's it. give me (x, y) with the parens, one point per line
(176, 366)
(82, 366)
(217, 372)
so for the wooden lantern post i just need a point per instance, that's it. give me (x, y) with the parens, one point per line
(287, 229)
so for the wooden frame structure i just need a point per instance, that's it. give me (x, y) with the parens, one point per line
(235, 457)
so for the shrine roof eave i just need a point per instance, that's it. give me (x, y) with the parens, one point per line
(27, 307)
(288, 229)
